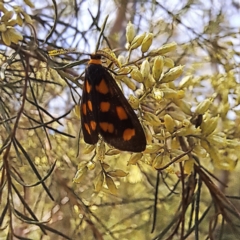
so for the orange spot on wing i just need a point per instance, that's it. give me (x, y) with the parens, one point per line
(104, 106)
(89, 103)
(93, 125)
(121, 113)
(106, 127)
(102, 87)
(110, 128)
(84, 109)
(128, 134)
(88, 87)
(103, 126)
(87, 128)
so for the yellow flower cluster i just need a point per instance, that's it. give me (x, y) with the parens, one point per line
(9, 20)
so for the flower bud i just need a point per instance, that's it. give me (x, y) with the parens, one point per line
(129, 83)
(185, 82)
(183, 105)
(209, 125)
(27, 18)
(149, 82)
(157, 67)
(137, 41)
(121, 59)
(145, 69)
(217, 140)
(130, 32)
(7, 16)
(172, 75)
(3, 27)
(29, 3)
(152, 119)
(168, 62)
(2, 8)
(147, 42)
(190, 130)
(164, 49)
(170, 93)
(133, 101)
(233, 143)
(14, 35)
(203, 106)
(153, 148)
(136, 75)
(169, 123)
(158, 94)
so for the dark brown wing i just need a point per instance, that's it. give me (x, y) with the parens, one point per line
(88, 110)
(118, 125)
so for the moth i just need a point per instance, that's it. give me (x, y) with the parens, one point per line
(105, 111)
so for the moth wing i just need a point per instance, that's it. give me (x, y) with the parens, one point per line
(89, 111)
(122, 128)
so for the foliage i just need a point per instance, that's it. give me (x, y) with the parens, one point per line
(54, 185)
